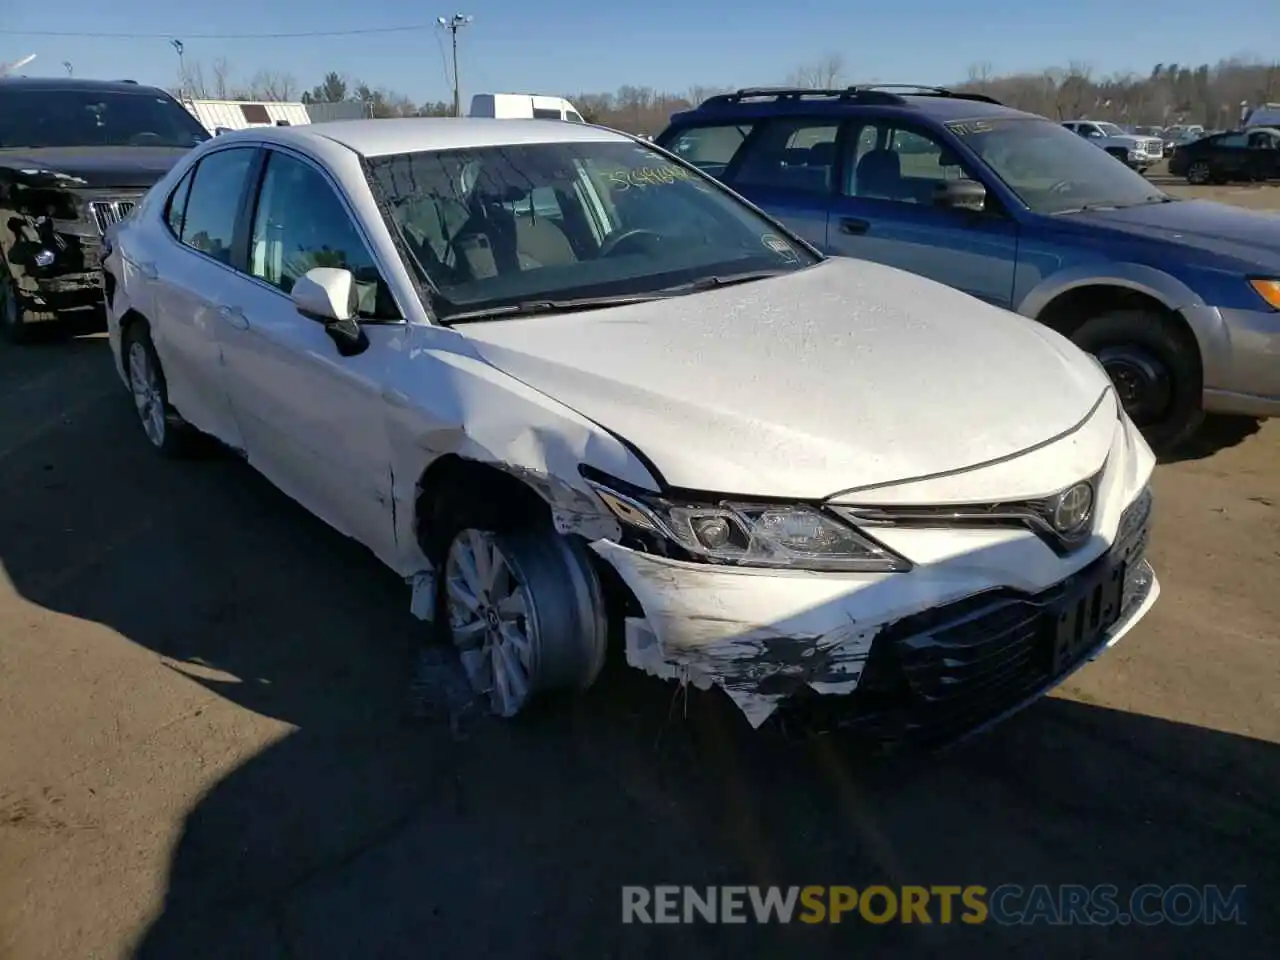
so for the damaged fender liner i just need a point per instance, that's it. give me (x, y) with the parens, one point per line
(760, 638)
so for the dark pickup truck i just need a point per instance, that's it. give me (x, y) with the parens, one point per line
(75, 157)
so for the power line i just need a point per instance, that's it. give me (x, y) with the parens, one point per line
(219, 36)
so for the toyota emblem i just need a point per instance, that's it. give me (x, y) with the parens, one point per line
(1072, 509)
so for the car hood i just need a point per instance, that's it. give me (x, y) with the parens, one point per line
(843, 375)
(127, 167)
(1214, 227)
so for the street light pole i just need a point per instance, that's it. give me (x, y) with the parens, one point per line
(453, 25)
(182, 70)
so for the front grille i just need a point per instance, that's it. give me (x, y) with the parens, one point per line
(933, 677)
(107, 212)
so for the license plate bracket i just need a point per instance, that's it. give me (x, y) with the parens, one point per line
(1079, 619)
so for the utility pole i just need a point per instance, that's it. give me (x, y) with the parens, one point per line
(182, 70)
(453, 25)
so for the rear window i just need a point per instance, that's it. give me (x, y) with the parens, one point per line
(95, 118)
(709, 148)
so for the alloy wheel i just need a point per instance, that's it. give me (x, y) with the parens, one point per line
(148, 395)
(493, 621)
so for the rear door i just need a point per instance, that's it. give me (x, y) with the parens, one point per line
(786, 167)
(185, 277)
(889, 172)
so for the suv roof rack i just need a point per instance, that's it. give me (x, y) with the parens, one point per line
(882, 93)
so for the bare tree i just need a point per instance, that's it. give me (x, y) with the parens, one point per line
(822, 74)
(221, 71)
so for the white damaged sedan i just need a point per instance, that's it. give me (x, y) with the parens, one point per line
(576, 392)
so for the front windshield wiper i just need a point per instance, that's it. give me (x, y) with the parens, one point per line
(1091, 207)
(533, 308)
(713, 283)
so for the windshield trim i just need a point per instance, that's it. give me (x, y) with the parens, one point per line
(424, 286)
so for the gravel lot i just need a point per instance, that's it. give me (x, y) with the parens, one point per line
(210, 747)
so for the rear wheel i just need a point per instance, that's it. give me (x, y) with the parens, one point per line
(523, 606)
(163, 427)
(1155, 369)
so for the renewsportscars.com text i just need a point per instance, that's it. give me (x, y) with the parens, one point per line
(1008, 904)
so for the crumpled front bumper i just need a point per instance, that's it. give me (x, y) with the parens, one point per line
(963, 638)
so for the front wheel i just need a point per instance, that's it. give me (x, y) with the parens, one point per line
(524, 608)
(1199, 173)
(1155, 369)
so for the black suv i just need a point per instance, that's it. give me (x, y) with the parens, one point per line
(75, 157)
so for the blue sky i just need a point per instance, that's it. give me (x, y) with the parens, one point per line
(557, 46)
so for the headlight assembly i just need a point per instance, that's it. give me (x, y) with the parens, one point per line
(794, 536)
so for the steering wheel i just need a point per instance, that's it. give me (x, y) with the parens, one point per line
(610, 245)
(1062, 186)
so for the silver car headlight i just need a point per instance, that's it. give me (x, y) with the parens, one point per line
(777, 535)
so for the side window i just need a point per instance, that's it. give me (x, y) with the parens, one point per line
(299, 224)
(1232, 140)
(711, 149)
(795, 154)
(214, 197)
(176, 208)
(902, 165)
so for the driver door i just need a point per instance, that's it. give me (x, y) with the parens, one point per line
(311, 419)
(885, 212)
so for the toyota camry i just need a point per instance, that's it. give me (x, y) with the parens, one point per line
(578, 394)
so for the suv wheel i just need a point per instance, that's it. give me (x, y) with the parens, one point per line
(1155, 369)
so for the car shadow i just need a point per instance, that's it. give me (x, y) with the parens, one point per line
(379, 829)
(1218, 432)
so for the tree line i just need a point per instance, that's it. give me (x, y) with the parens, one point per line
(1208, 94)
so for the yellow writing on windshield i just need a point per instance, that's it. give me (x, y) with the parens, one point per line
(648, 177)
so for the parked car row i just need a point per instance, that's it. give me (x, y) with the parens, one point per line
(1178, 299)
(573, 389)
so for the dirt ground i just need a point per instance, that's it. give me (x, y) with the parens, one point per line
(209, 746)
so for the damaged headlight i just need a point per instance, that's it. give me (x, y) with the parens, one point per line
(797, 536)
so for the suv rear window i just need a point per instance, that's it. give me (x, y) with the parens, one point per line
(709, 148)
(95, 118)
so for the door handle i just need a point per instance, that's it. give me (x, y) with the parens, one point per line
(234, 316)
(148, 270)
(854, 226)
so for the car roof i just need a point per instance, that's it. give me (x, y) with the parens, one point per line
(376, 138)
(74, 83)
(942, 106)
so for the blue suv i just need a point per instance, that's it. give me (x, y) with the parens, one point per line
(1178, 299)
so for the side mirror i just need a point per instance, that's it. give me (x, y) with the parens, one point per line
(960, 195)
(328, 295)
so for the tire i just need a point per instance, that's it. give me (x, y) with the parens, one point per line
(1199, 173)
(166, 431)
(13, 321)
(1155, 368)
(555, 606)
